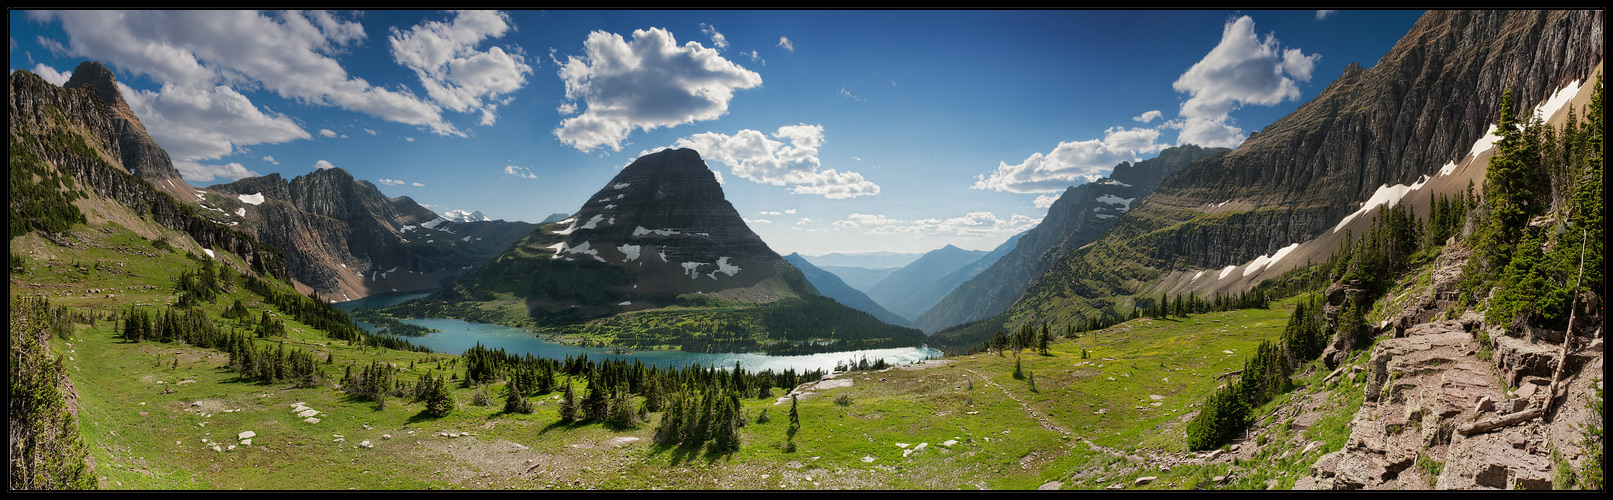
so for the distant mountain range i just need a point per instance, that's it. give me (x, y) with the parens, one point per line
(830, 285)
(1081, 215)
(869, 260)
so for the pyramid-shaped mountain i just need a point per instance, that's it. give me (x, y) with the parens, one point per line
(659, 230)
(664, 218)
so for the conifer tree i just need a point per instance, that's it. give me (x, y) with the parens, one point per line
(568, 404)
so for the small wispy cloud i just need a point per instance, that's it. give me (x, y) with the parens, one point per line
(785, 42)
(717, 40)
(522, 172)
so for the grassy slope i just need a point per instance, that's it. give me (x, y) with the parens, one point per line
(1002, 444)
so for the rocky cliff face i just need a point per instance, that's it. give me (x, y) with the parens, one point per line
(1080, 216)
(659, 229)
(1421, 107)
(140, 153)
(75, 131)
(347, 240)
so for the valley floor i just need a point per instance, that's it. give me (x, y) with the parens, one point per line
(153, 415)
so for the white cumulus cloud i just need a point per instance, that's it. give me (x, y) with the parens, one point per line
(289, 53)
(785, 42)
(270, 159)
(972, 224)
(1045, 200)
(193, 171)
(50, 74)
(1072, 163)
(1147, 116)
(1244, 68)
(856, 220)
(391, 182)
(790, 158)
(646, 83)
(327, 133)
(194, 124)
(455, 74)
(323, 165)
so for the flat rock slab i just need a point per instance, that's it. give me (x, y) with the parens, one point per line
(620, 441)
(835, 383)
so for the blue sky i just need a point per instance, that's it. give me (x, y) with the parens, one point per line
(831, 131)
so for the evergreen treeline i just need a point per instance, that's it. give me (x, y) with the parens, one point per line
(40, 198)
(1541, 220)
(700, 405)
(699, 415)
(322, 316)
(47, 450)
(1266, 375)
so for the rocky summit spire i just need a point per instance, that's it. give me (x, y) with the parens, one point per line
(140, 153)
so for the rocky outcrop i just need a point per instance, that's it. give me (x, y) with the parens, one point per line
(1081, 215)
(1423, 391)
(140, 153)
(73, 129)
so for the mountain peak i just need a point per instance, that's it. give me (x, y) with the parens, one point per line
(96, 75)
(660, 228)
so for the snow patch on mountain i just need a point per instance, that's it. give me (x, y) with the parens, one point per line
(693, 269)
(1263, 261)
(724, 267)
(593, 222)
(1116, 200)
(631, 251)
(640, 231)
(252, 199)
(463, 216)
(1387, 195)
(571, 225)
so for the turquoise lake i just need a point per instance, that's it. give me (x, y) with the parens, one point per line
(457, 336)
